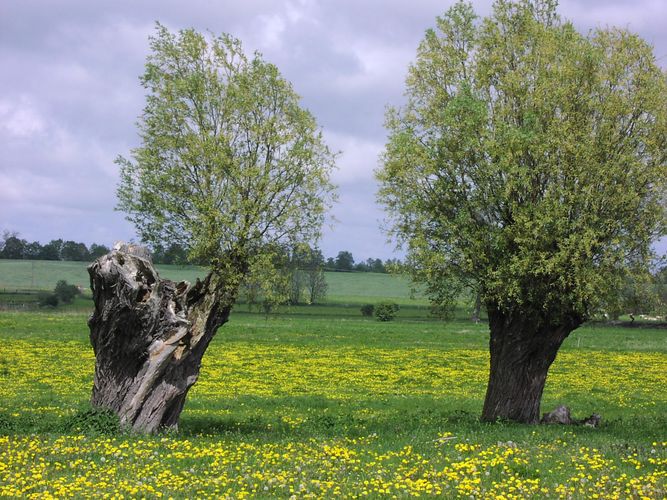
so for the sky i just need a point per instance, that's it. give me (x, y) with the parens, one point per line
(70, 95)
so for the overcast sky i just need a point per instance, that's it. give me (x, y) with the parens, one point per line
(70, 94)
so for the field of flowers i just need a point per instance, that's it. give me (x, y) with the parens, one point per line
(334, 408)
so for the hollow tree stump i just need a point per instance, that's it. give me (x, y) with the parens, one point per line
(149, 335)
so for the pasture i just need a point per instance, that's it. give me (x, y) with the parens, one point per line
(332, 404)
(343, 288)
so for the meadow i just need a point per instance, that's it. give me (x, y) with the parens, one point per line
(328, 403)
(21, 277)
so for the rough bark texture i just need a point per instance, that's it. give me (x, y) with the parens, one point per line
(521, 354)
(149, 336)
(477, 308)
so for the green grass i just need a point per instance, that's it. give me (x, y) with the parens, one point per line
(305, 400)
(370, 287)
(343, 288)
(44, 274)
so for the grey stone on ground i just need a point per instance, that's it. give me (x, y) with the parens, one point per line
(562, 415)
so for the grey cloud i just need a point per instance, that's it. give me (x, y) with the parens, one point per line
(70, 95)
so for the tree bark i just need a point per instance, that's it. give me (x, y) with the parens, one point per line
(149, 335)
(477, 308)
(522, 350)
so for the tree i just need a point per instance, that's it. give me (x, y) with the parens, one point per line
(385, 311)
(313, 268)
(65, 292)
(73, 251)
(660, 279)
(47, 299)
(173, 254)
(344, 261)
(13, 247)
(361, 266)
(638, 294)
(638, 297)
(98, 250)
(229, 168)
(529, 160)
(51, 251)
(377, 266)
(33, 250)
(296, 258)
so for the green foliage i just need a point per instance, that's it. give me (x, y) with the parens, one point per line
(305, 267)
(65, 292)
(316, 285)
(285, 275)
(344, 261)
(660, 280)
(638, 295)
(12, 247)
(52, 250)
(98, 250)
(386, 311)
(529, 160)
(46, 299)
(62, 293)
(230, 165)
(173, 254)
(71, 250)
(367, 310)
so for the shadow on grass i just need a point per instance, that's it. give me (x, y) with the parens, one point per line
(397, 420)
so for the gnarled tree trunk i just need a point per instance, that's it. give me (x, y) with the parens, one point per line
(522, 350)
(149, 336)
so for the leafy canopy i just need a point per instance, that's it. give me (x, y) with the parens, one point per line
(529, 160)
(230, 165)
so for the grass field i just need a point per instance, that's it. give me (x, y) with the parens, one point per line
(317, 406)
(44, 274)
(346, 291)
(18, 275)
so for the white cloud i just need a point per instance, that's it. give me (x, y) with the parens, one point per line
(20, 119)
(616, 13)
(381, 66)
(358, 157)
(273, 28)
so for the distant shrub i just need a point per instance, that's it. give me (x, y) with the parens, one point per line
(386, 311)
(65, 292)
(46, 299)
(367, 310)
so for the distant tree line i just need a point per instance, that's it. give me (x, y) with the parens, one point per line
(14, 247)
(344, 261)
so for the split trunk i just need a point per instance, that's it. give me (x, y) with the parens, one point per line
(149, 335)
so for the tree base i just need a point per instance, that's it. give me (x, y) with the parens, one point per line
(522, 350)
(149, 336)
